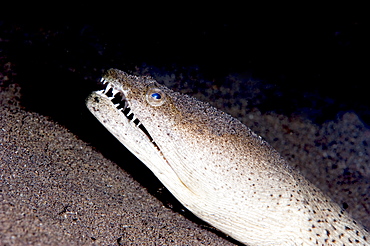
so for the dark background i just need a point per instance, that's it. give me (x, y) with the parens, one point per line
(313, 58)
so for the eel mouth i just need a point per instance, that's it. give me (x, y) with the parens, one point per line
(119, 100)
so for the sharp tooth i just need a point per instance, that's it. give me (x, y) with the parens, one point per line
(126, 109)
(115, 92)
(103, 80)
(107, 88)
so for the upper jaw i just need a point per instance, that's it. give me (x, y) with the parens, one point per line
(118, 97)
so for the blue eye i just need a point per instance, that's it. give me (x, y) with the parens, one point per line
(156, 96)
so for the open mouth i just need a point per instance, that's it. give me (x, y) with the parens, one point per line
(119, 100)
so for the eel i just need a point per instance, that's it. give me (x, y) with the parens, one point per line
(218, 168)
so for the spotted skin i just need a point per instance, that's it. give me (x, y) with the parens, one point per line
(218, 168)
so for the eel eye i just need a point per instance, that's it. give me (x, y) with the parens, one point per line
(155, 96)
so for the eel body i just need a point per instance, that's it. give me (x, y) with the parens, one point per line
(218, 168)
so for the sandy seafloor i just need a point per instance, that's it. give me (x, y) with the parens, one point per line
(64, 180)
